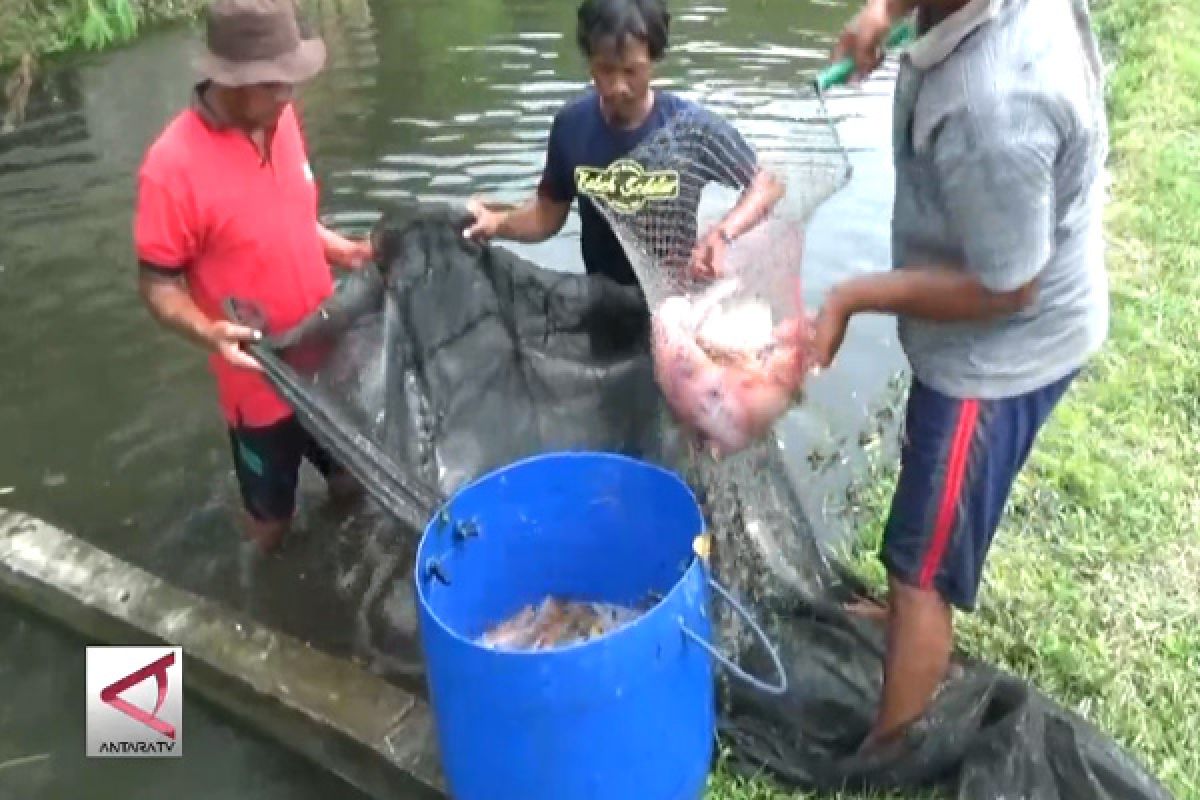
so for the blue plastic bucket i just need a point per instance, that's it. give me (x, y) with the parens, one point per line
(627, 715)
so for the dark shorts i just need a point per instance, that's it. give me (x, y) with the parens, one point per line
(267, 463)
(958, 463)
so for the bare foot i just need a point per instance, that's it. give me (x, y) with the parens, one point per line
(877, 741)
(267, 535)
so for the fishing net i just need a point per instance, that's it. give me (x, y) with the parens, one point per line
(731, 333)
(663, 197)
(447, 360)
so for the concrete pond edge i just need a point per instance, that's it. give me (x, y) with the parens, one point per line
(374, 735)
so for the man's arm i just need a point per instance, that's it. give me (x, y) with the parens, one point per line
(535, 220)
(165, 239)
(753, 206)
(343, 252)
(863, 38)
(756, 202)
(169, 302)
(938, 294)
(995, 169)
(729, 159)
(542, 215)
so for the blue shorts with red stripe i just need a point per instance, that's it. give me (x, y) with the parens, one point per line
(958, 463)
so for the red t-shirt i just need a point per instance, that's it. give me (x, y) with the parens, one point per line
(210, 206)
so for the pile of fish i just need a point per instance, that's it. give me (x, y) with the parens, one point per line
(557, 623)
(726, 369)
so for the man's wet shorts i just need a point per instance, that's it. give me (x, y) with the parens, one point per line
(958, 463)
(267, 463)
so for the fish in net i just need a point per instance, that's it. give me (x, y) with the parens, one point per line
(731, 355)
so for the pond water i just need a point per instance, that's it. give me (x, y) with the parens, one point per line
(110, 427)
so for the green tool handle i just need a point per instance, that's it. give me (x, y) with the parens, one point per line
(901, 33)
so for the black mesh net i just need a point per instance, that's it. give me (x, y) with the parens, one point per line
(450, 359)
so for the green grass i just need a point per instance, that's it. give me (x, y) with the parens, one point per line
(1092, 591)
(723, 784)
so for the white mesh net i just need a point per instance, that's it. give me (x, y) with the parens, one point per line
(731, 353)
(691, 172)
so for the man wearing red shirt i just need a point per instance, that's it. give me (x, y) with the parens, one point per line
(227, 206)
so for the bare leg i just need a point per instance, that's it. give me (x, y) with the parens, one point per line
(267, 535)
(919, 642)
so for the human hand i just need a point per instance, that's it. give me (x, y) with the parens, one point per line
(349, 253)
(226, 337)
(829, 330)
(863, 37)
(708, 257)
(486, 224)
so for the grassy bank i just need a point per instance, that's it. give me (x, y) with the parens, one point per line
(1093, 589)
(46, 27)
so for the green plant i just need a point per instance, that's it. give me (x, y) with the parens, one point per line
(106, 22)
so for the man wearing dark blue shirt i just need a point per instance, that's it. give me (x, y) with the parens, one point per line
(589, 138)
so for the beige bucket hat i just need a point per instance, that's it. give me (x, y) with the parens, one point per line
(257, 41)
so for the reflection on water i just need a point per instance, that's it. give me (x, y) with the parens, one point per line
(110, 425)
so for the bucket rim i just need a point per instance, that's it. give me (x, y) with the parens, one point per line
(425, 609)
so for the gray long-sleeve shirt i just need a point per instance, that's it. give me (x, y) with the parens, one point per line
(1000, 140)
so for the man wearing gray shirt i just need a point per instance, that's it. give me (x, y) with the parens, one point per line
(998, 285)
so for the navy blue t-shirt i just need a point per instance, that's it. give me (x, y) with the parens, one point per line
(584, 159)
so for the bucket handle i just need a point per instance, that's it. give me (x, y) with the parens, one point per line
(737, 671)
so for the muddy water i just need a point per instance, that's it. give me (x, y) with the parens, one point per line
(110, 427)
